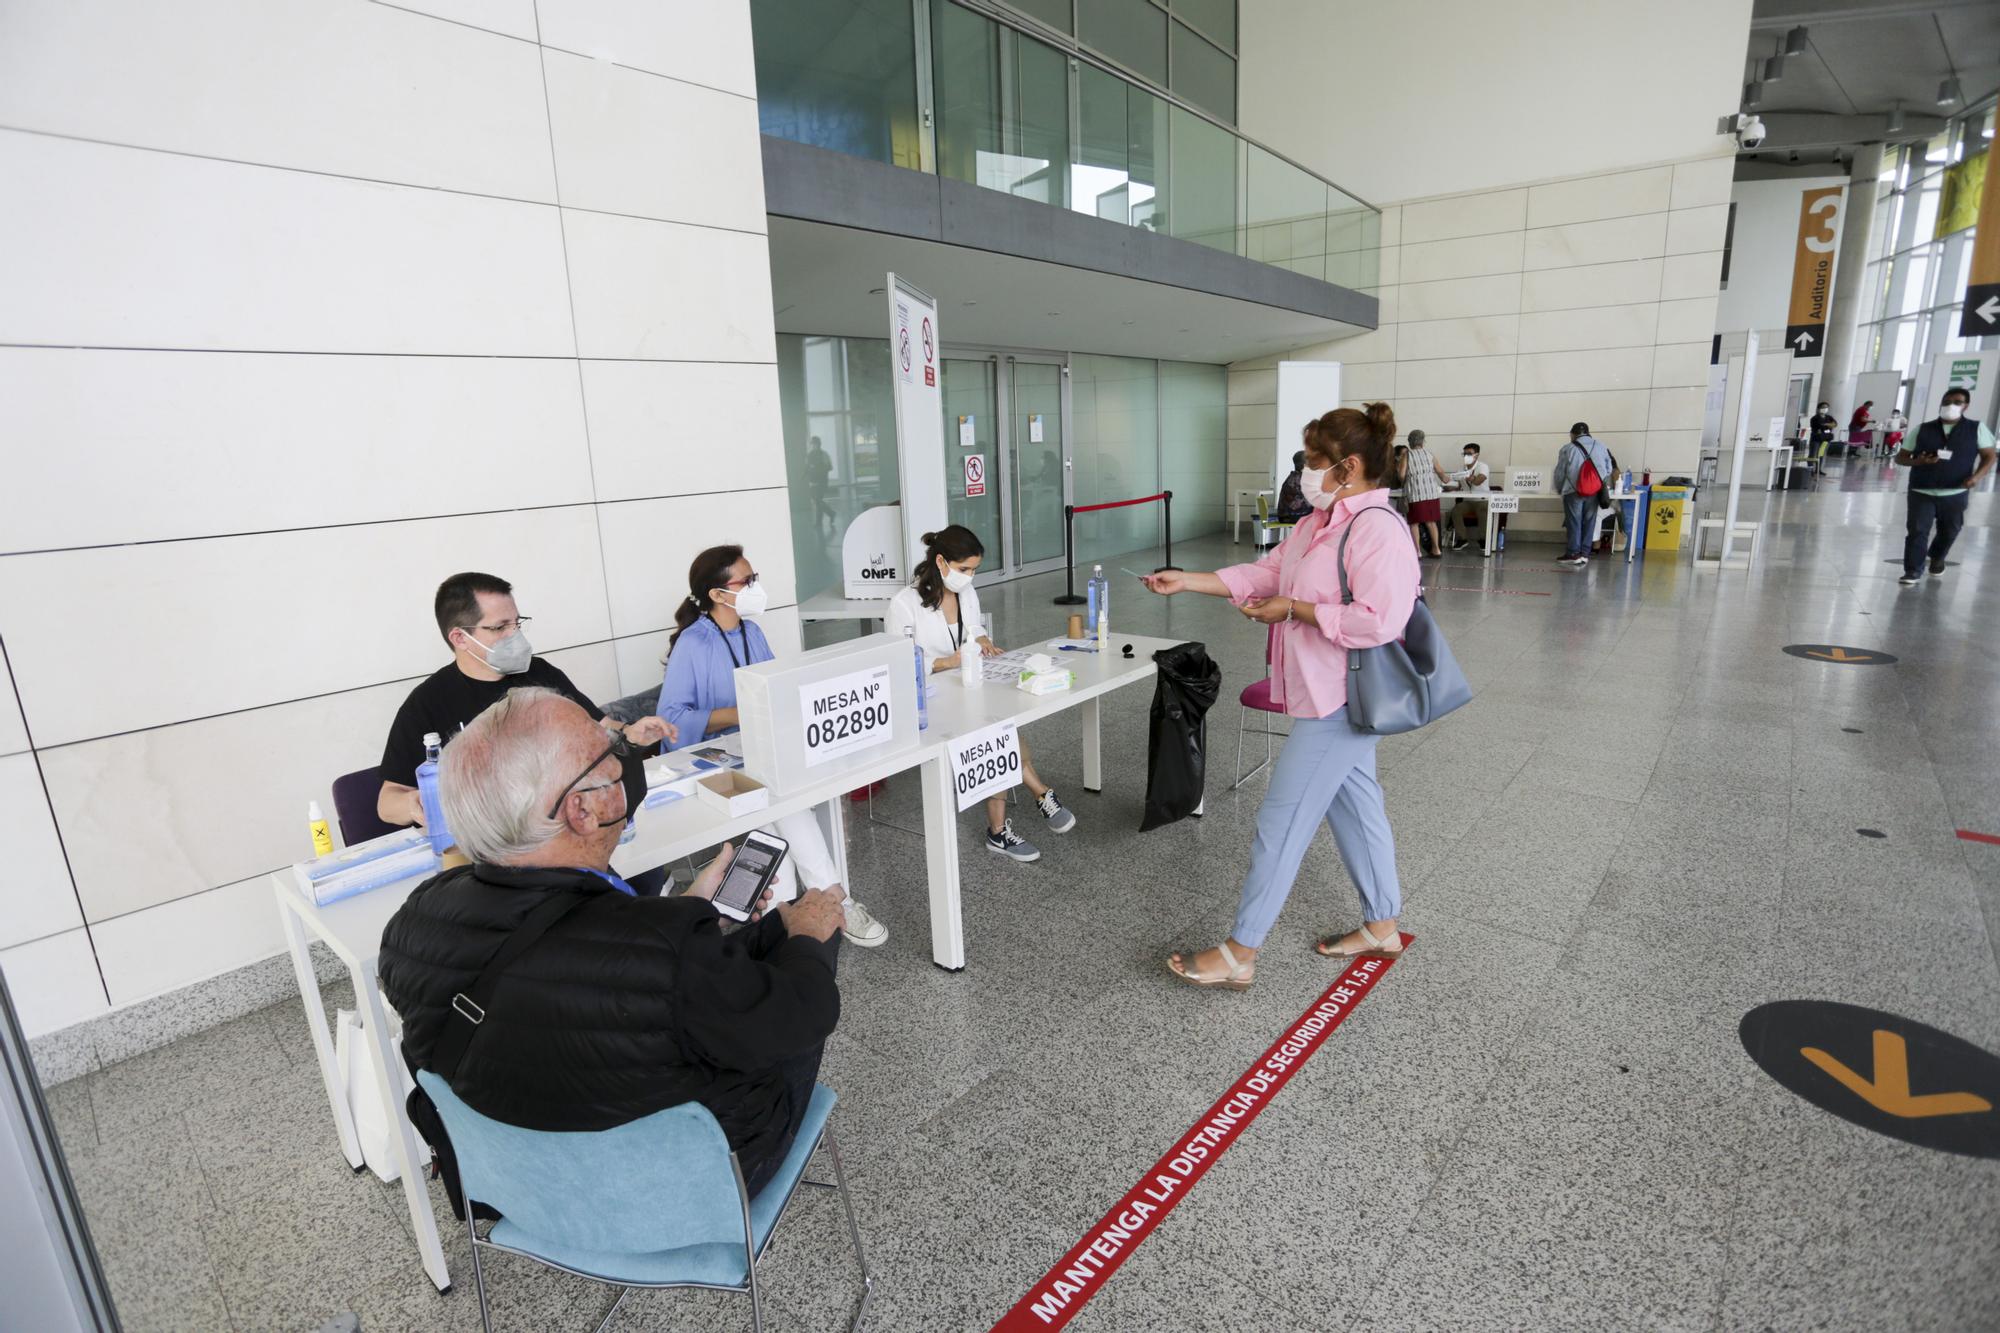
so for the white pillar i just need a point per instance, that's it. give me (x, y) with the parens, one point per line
(1851, 292)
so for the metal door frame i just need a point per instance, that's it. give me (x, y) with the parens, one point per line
(1007, 563)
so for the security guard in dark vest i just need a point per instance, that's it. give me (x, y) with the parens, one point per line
(1947, 457)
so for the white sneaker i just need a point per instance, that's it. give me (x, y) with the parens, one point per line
(863, 930)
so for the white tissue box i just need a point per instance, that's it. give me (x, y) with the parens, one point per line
(1046, 682)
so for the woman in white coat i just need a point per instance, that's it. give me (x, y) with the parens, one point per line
(942, 609)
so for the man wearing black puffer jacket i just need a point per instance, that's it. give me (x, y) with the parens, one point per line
(627, 1005)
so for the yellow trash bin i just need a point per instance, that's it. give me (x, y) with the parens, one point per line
(1666, 519)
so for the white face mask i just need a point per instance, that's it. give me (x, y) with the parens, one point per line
(1312, 485)
(1470, 459)
(1952, 411)
(956, 579)
(750, 602)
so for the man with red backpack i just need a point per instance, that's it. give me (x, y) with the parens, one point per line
(1585, 471)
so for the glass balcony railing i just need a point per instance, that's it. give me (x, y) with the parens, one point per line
(955, 91)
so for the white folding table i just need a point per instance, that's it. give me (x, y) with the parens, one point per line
(352, 928)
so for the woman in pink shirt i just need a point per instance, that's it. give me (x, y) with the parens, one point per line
(1327, 768)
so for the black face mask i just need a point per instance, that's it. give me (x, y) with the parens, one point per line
(631, 776)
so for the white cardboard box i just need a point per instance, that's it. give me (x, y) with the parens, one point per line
(772, 712)
(733, 793)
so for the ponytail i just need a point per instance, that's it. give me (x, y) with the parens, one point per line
(954, 543)
(709, 571)
(1347, 433)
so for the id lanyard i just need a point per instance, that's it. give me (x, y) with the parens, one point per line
(743, 630)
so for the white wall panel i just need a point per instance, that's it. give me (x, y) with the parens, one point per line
(592, 668)
(37, 898)
(516, 18)
(648, 545)
(1591, 327)
(177, 444)
(1372, 379)
(1676, 364)
(1253, 386)
(1629, 283)
(1480, 335)
(680, 428)
(1471, 256)
(1673, 450)
(641, 661)
(1449, 376)
(1455, 415)
(142, 249)
(1687, 277)
(632, 142)
(661, 291)
(1612, 241)
(699, 43)
(13, 731)
(54, 981)
(1699, 184)
(1610, 368)
(1690, 230)
(1677, 408)
(1590, 198)
(249, 621)
(354, 89)
(1687, 321)
(1553, 413)
(190, 939)
(1459, 298)
(1464, 215)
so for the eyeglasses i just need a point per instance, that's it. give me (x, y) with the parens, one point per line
(620, 747)
(746, 582)
(506, 626)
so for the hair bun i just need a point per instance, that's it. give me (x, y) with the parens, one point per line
(929, 539)
(1382, 420)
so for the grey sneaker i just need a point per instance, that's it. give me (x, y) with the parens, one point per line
(863, 929)
(1009, 843)
(1061, 818)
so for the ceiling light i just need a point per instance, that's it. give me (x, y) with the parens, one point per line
(1949, 93)
(1774, 69)
(1753, 95)
(1895, 121)
(1795, 41)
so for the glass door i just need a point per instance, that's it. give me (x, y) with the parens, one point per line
(1037, 394)
(972, 465)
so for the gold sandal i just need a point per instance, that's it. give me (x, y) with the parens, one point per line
(1239, 976)
(1329, 946)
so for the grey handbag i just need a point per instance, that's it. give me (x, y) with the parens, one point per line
(1400, 686)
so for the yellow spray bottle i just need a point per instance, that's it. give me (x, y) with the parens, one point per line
(322, 837)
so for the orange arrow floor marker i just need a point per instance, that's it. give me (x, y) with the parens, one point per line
(1890, 1090)
(1842, 655)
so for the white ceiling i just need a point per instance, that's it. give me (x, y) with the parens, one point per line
(828, 280)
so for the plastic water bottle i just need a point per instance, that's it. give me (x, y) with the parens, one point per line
(923, 697)
(1098, 593)
(427, 790)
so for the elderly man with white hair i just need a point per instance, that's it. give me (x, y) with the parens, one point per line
(626, 1004)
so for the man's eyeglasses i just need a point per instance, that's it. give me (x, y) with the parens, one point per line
(620, 747)
(506, 626)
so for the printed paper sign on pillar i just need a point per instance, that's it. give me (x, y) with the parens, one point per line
(1812, 270)
(985, 763)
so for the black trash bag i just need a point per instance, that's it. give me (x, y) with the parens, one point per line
(1177, 745)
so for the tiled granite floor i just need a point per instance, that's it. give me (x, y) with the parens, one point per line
(1642, 828)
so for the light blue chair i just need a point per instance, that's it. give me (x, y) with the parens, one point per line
(657, 1202)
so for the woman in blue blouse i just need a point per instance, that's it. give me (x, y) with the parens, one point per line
(716, 632)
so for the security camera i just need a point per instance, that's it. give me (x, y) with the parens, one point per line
(1748, 129)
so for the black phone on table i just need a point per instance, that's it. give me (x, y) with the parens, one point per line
(749, 874)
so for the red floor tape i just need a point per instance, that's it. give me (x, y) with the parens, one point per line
(1055, 1300)
(1970, 836)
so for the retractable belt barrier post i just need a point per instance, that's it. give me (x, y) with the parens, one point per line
(1069, 596)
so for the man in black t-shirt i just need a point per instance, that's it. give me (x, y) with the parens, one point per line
(490, 656)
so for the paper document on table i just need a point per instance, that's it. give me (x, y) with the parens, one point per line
(1007, 666)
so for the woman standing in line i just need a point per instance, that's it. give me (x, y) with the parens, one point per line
(942, 610)
(1327, 769)
(1423, 487)
(716, 632)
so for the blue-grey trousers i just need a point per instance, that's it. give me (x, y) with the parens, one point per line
(1326, 771)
